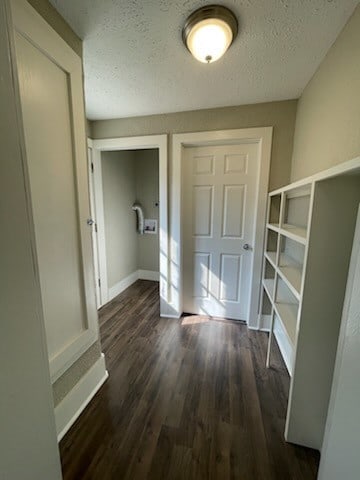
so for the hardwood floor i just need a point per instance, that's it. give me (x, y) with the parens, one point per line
(186, 399)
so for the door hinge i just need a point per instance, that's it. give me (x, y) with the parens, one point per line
(92, 167)
(99, 282)
(95, 227)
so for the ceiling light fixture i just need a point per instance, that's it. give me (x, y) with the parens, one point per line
(209, 32)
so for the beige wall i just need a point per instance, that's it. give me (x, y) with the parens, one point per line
(147, 193)
(66, 382)
(328, 120)
(119, 191)
(280, 115)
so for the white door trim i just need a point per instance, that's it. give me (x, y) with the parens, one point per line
(134, 143)
(261, 136)
(94, 218)
(28, 23)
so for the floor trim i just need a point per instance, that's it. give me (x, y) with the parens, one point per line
(177, 316)
(264, 323)
(149, 275)
(119, 287)
(71, 407)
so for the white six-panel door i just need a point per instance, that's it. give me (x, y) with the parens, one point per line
(219, 205)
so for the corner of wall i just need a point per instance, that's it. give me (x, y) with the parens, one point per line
(57, 22)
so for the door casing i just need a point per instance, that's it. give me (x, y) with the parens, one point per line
(261, 136)
(94, 225)
(134, 143)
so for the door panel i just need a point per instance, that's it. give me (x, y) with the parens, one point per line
(51, 171)
(50, 83)
(203, 165)
(219, 197)
(230, 277)
(233, 211)
(202, 265)
(202, 210)
(236, 163)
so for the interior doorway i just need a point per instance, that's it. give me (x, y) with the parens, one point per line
(262, 138)
(219, 210)
(128, 178)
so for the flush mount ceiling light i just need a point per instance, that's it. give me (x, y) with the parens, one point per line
(209, 32)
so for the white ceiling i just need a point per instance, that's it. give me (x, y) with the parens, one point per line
(136, 64)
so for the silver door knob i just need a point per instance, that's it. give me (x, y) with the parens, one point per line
(90, 221)
(246, 246)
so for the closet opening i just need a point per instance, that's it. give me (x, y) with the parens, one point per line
(127, 214)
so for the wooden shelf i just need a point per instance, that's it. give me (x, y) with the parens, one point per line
(291, 272)
(269, 286)
(291, 277)
(299, 192)
(271, 257)
(287, 313)
(316, 258)
(273, 226)
(294, 233)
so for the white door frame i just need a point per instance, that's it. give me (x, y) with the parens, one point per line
(94, 226)
(134, 143)
(261, 136)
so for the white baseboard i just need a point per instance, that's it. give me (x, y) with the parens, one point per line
(70, 408)
(149, 275)
(263, 323)
(119, 287)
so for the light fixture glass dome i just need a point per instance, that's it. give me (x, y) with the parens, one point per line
(209, 32)
(209, 40)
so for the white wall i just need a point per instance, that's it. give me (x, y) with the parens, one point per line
(28, 446)
(129, 177)
(340, 454)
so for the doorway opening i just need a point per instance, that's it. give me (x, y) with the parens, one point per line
(128, 185)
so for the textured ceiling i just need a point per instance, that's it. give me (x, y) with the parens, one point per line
(135, 62)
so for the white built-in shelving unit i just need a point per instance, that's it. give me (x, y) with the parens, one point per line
(309, 237)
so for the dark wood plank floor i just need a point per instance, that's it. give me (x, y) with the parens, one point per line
(186, 399)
